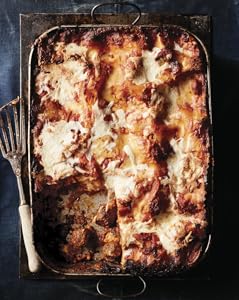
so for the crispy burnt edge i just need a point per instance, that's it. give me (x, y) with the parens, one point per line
(97, 36)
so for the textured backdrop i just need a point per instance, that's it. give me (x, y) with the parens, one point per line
(225, 76)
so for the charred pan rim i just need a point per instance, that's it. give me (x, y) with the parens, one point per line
(136, 270)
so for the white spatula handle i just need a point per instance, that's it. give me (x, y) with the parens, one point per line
(33, 259)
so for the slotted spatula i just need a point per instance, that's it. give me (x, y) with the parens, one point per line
(13, 148)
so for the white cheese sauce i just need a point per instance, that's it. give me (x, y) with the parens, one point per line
(151, 68)
(55, 145)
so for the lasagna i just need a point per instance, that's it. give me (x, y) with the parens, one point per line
(120, 147)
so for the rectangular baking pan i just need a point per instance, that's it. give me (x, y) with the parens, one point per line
(196, 24)
(77, 270)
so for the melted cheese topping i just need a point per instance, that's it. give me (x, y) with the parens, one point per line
(141, 134)
(55, 146)
(121, 185)
(182, 50)
(169, 227)
(101, 127)
(184, 162)
(69, 50)
(61, 83)
(119, 118)
(151, 69)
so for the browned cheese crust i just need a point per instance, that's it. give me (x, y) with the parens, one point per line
(120, 146)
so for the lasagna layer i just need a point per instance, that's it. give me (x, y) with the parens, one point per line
(120, 145)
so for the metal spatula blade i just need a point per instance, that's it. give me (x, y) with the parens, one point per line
(13, 148)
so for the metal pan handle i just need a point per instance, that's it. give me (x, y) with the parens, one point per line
(101, 291)
(95, 20)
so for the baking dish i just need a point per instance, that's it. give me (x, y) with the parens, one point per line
(77, 269)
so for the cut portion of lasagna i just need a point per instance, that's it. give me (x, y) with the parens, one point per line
(120, 146)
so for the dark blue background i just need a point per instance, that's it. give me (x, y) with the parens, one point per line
(225, 78)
